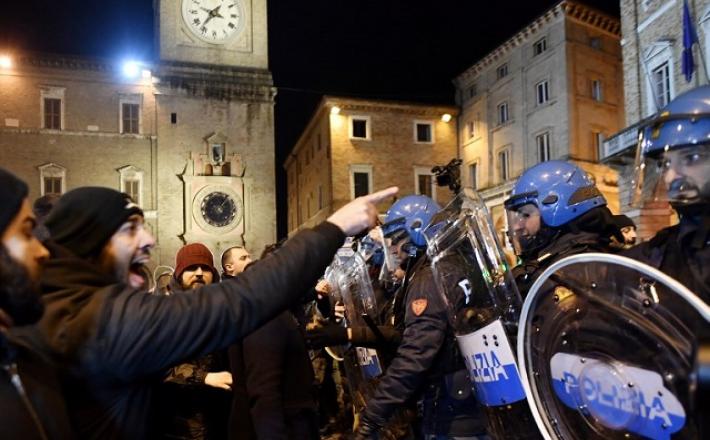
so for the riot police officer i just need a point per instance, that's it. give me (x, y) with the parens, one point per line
(428, 365)
(556, 210)
(673, 164)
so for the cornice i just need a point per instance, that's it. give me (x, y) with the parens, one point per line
(571, 10)
(370, 105)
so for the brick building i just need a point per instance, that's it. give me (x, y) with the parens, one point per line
(352, 147)
(652, 45)
(190, 135)
(551, 91)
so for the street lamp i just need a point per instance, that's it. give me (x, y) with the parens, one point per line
(131, 69)
(5, 62)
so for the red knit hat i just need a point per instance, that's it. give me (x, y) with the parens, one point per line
(192, 254)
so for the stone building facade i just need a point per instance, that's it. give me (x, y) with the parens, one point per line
(652, 45)
(551, 91)
(190, 134)
(352, 147)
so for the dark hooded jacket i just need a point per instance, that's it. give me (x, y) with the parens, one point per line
(30, 397)
(113, 342)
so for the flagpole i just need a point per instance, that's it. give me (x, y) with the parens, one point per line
(702, 57)
(690, 39)
(704, 63)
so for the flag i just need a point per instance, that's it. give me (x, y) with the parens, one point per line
(689, 38)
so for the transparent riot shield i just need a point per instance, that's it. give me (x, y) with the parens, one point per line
(483, 302)
(608, 349)
(351, 283)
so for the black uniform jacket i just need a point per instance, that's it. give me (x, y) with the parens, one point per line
(567, 244)
(682, 252)
(428, 365)
(112, 341)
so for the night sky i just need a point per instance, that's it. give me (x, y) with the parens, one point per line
(390, 49)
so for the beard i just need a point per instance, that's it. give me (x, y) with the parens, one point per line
(20, 296)
(196, 284)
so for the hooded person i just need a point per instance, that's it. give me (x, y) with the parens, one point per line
(112, 340)
(30, 395)
(194, 400)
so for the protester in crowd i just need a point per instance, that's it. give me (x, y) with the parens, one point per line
(274, 393)
(41, 208)
(234, 261)
(556, 210)
(163, 279)
(194, 398)
(113, 340)
(628, 230)
(30, 397)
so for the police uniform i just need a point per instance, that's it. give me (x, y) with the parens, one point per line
(568, 244)
(428, 366)
(682, 252)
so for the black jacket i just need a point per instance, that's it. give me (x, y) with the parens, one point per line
(570, 243)
(112, 342)
(31, 403)
(428, 366)
(274, 384)
(682, 252)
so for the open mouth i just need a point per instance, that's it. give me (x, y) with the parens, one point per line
(136, 272)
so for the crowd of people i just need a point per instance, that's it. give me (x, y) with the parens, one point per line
(94, 346)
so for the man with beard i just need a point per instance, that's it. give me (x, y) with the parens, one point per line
(193, 398)
(32, 407)
(113, 340)
(674, 166)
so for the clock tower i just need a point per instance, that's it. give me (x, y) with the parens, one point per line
(215, 126)
(220, 32)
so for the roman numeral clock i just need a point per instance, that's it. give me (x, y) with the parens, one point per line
(213, 21)
(214, 100)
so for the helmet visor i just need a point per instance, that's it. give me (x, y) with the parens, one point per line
(672, 161)
(524, 223)
(680, 176)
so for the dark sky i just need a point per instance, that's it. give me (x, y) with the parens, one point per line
(392, 49)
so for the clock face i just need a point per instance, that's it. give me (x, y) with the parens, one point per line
(218, 209)
(213, 21)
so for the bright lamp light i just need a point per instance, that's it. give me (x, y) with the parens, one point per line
(446, 117)
(5, 61)
(131, 69)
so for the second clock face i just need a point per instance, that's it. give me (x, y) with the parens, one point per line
(213, 21)
(218, 209)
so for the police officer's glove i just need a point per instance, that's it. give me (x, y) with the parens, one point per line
(328, 335)
(367, 430)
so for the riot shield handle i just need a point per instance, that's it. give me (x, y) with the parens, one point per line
(372, 326)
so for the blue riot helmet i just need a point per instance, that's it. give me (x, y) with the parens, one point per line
(408, 217)
(545, 198)
(673, 154)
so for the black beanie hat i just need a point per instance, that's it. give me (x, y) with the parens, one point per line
(12, 192)
(623, 221)
(84, 219)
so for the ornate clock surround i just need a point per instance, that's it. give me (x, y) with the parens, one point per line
(207, 175)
